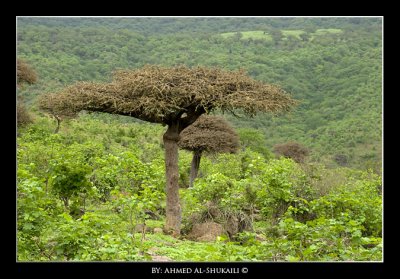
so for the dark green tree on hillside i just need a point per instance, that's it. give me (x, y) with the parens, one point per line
(255, 140)
(305, 36)
(175, 97)
(211, 134)
(276, 35)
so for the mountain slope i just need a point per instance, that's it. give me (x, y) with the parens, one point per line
(335, 74)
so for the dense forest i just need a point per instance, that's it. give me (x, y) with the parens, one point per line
(335, 72)
(94, 188)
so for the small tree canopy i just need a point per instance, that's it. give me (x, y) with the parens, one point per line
(25, 74)
(211, 134)
(292, 150)
(23, 116)
(162, 95)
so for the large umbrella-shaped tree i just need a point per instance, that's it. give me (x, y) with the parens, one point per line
(175, 97)
(211, 134)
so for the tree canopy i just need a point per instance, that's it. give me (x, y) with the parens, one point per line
(161, 95)
(211, 134)
(25, 73)
(292, 150)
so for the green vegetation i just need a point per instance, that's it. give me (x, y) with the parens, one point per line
(95, 191)
(336, 75)
(114, 184)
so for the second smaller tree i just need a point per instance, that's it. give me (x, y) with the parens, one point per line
(212, 134)
(293, 150)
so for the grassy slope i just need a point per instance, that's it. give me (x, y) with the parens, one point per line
(249, 35)
(257, 34)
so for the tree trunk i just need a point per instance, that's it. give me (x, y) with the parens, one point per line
(58, 124)
(194, 167)
(173, 214)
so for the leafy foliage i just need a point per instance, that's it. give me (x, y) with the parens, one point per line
(289, 212)
(69, 180)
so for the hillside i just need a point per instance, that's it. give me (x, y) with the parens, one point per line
(334, 69)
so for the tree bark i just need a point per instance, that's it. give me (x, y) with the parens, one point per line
(173, 211)
(58, 124)
(194, 170)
